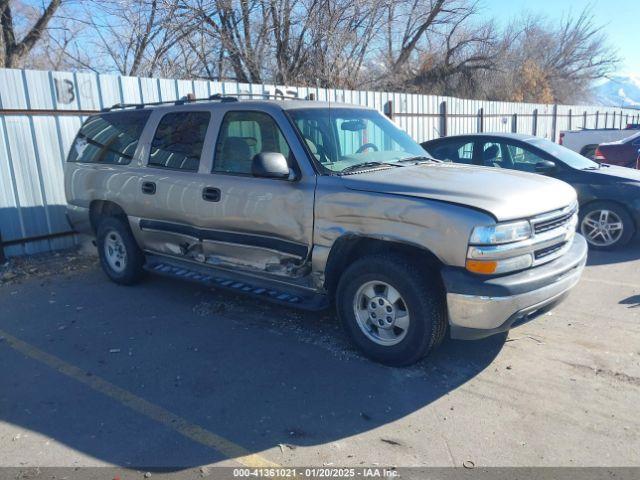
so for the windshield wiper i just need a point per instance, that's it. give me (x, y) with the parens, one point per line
(360, 166)
(419, 159)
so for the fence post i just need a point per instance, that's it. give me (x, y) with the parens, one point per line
(597, 118)
(388, 109)
(554, 122)
(443, 118)
(570, 119)
(534, 127)
(584, 119)
(514, 123)
(481, 120)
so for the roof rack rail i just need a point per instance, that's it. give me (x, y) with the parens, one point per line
(190, 98)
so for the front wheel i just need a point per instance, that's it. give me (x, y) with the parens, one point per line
(606, 225)
(392, 310)
(120, 257)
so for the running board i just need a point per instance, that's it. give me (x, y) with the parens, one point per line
(237, 282)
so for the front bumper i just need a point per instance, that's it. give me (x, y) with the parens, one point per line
(480, 306)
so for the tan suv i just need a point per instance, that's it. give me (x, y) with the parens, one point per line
(307, 204)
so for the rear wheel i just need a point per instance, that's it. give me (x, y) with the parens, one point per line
(392, 310)
(606, 225)
(120, 257)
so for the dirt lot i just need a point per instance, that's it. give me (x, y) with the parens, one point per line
(172, 374)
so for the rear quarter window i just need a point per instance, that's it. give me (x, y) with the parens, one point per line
(110, 138)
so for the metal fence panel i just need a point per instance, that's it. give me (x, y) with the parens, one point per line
(40, 113)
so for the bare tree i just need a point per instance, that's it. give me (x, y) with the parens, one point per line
(241, 29)
(137, 36)
(13, 50)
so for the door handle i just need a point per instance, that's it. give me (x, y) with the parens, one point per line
(149, 188)
(211, 194)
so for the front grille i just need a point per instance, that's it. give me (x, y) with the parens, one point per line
(545, 252)
(555, 222)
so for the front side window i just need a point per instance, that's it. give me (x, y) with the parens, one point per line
(178, 141)
(242, 136)
(523, 159)
(110, 138)
(343, 138)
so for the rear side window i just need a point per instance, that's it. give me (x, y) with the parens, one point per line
(458, 151)
(110, 138)
(178, 141)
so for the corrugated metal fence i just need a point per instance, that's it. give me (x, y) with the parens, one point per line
(41, 111)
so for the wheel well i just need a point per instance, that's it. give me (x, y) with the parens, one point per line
(103, 208)
(348, 249)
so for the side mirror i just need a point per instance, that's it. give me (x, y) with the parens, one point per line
(545, 166)
(270, 165)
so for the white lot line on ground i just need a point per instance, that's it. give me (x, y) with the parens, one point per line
(181, 425)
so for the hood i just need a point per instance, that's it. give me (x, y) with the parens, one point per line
(621, 173)
(505, 194)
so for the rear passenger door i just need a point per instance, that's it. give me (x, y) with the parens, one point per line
(170, 188)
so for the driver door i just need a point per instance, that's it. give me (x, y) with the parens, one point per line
(254, 223)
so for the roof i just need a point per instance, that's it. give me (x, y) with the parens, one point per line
(507, 135)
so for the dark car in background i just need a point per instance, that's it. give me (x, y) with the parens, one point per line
(624, 152)
(609, 195)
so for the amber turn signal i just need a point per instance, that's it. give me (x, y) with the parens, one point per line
(482, 266)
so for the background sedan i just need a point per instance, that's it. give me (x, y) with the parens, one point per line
(609, 195)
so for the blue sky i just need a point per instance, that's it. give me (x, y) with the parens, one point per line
(621, 20)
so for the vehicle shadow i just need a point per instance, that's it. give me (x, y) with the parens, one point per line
(628, 253)
(257, 375)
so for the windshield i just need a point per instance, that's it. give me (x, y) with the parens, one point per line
(345, 138)
(569, 157)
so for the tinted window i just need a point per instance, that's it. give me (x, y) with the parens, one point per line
(459, 151)
(492, 155)
(111, 138)
(178, 141)
(523, 159)
(242, 136)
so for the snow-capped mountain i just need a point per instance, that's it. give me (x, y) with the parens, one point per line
(622, 90)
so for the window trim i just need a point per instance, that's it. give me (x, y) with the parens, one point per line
(148, 163)
(295, 167)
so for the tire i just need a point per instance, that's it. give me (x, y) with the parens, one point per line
(589, 151)
(421, 299)
(611, 213)
(114, 234)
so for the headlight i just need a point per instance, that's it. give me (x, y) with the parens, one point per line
(501, 233)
